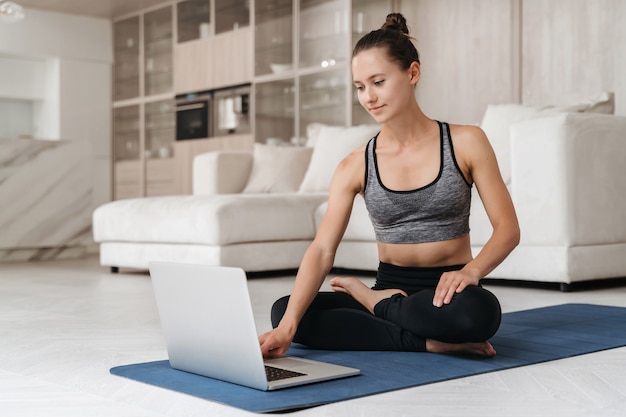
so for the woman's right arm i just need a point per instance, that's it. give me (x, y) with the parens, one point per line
(311, 274)
(318, 260)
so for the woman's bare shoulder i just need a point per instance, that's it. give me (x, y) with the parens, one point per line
(470, 140)
(471, 149)
(467, 133)
(351, 169)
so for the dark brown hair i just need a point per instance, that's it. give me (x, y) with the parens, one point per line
(393, 37)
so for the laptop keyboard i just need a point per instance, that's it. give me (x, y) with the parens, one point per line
(276, 374)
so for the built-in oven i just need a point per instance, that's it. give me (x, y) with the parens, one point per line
(231, 111)
(194, 116)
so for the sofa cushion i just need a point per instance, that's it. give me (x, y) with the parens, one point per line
(499, 118)
(330, 146)
(312, 132)
(359, 227)
(573, 194)
(277, 169)
(222, 172)
(208, 219)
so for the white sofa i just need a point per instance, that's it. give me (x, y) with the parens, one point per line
(259, 211)
(256, 210)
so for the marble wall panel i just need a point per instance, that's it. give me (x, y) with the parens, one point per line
(46, 198)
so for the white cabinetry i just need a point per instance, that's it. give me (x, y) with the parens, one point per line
(220, 61)
(212, 52)
(161, 52)
(296, 54)
(143, 107)
(302, 64)
(192, 66)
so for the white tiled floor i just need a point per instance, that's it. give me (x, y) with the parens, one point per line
(64, 324)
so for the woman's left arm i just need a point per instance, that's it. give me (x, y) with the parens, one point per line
(478, 161)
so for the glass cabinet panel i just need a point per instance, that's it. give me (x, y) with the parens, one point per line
(231, 15)
(323, 33)
(273, 36)
(368, 15)
(275, 123)
(126, 51)
(194, 20)
(160, 129)
(158, 51)
(126, 135)
(323, 99)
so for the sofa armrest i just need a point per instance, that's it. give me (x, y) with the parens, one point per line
(221, 172)
(567, 179)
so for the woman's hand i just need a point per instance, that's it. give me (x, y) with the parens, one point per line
(275, 342)
(450, 283)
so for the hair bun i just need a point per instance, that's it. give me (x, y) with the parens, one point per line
(395, 21)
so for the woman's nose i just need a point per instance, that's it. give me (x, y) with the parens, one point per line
(370, 95)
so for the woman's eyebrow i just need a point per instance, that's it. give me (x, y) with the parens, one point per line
(369, 78)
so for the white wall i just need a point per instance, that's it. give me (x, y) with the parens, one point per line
(469, 52)
(15, 118)
(47, 34)
(22, 78)
(72, 98)
(573, 49)
(85, 102)
(46, 120)
(537, 52)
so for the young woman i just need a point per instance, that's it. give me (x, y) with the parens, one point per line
(416, 177)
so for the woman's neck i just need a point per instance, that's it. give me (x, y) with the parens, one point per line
(412, 126)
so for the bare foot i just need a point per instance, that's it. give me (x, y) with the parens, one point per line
(479, 349)
(361, 292)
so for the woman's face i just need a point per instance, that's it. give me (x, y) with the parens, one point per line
(384, 89)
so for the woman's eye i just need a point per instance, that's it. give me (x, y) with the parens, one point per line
(379, 82)
(358, 87)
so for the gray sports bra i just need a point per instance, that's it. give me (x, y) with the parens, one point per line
(436, 212)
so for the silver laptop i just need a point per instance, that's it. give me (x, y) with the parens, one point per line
(209, 327)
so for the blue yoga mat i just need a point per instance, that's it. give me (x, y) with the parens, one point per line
(524, 338)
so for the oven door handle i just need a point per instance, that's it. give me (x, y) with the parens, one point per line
(191, 107)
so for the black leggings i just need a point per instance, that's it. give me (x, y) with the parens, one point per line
(336, 321)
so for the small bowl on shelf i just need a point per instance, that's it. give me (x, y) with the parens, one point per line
(276, 68)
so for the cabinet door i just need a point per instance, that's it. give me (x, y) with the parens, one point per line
(192, 66)
(159, 129)
(323, 99)
(231, 15)
(194, 20)
(273, 36)
(323, 33)
(161, 178)
(127, 179)
(233, 52)
(126, 133)
(126, 54)
(159, 136)
(275, 111)
(158, 38)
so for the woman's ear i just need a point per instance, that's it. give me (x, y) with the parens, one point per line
(414, 72)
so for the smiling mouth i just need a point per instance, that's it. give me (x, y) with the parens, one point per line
(375, 108)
